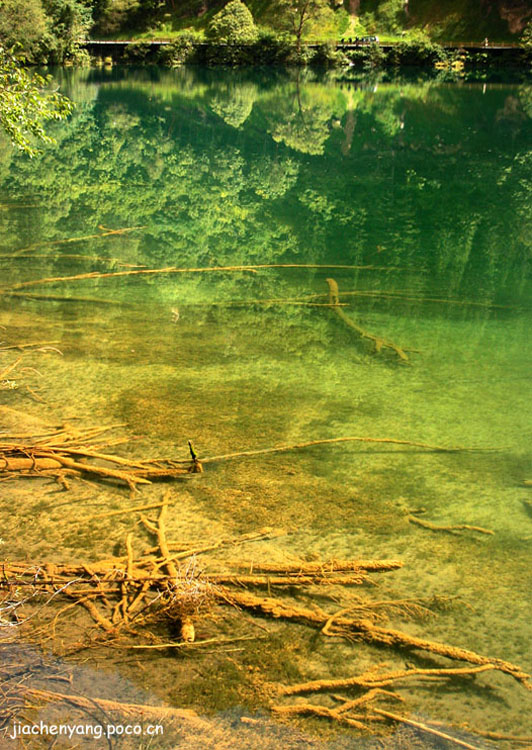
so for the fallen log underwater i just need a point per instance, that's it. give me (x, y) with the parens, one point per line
(126, 596)
(67, 453)
(379, 343)
(136, 579)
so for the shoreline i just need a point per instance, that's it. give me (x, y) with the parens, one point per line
(326, 54)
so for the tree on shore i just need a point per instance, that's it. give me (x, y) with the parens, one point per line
(23, 24)
(45, 31)
(296, 16)
(69, 22)
(27, 104)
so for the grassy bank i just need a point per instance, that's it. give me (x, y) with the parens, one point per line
(391, 20)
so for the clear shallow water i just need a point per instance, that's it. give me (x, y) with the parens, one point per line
(429, 184)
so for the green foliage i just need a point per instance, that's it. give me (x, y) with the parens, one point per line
(417, 49)
(230, 167)
(463, 20)
(391, 17)
(322, 19)
(69, 23)
(369, 57)
(271, 48)
(228, 54)
(182, 49)
(272, 178)
(116, 15)
(234, 24)
(26, 105)
(526, 36)
(45, 30)
(343, 20)
(22, 24)
(526, 41)
(302, 121)
(137, 52)
(297, 16)
(328, 56)
(234, 104)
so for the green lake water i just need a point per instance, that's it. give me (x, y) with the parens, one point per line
(415, 197)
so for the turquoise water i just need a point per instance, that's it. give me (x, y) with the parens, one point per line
(420, 191)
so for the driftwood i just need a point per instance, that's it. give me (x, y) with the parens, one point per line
(364, 629)
(180, 590)
(69, 452)
(104, 232)
(19, 255)
(379, 343)
(518, 739)
(75, 453)
(120, 592)
(175, 585)
(371, 685)
(7, 370)
(362, 711)
(8, 384)
(39, 345)
(63, 298)
(310, 709)
(174, 269)
(17, 693)
(375, 678)
(405, 296)
(123, 596)
(133, 710)
(325, 568)
(449, 529)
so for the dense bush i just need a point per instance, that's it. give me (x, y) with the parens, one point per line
(181, 50)
(272, 48)
(115, 15)
(138, 53)
(23, 24)
(233, 25)
(45, 30)
(417, 50)
(526, 41)
(228, 54)
(370, 57)
(328, 56)
(69, 23)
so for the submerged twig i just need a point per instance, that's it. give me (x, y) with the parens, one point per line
(349, 439)
(174, 269)
(104, 232)
(449, 529)
(424, 728)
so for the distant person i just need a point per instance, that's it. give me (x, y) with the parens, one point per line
(486, 43)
